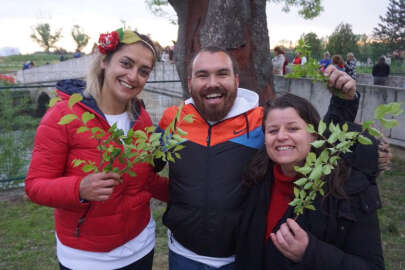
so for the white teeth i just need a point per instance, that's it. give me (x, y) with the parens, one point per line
(213, 95)
(126, 85)
(283, 148)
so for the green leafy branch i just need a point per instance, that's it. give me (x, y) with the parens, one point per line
(137, 146)
(339, 142)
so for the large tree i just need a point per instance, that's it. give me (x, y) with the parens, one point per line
(80, 37)
(391, 30)
(41, 34)
(315, 45)
(238, 26)
(343, 40)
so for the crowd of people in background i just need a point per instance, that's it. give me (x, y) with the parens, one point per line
(380, 71)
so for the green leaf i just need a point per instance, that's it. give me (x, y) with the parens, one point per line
(364, 140)
(189, 118)
(155, 137)
(388, 123)
(345, 127)
(374, 132)
(318, 143)
(77, 162)
(321, 127)
(395, 108)
(308, 185)
(140, 134)
(74, 99)
(89, 167)
(311, 157)
(311, 128)
(296, 192)
(324, 156)
(87, 117)
(177, 155)
(66, 119)
(150, 129)
(302, 170)
(381, 111)
(327, 169)
(333, 138)
(316, 172)
(367, 124)
(351, 135)
(131, 173)
(53, 101)
(303, 194)
(310, 207)
(333, 160)
(181, 132)
(170, 157)
(178, 147)
(82, 129)
(301, 181)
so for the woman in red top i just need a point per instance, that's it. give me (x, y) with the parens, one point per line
(102, 220)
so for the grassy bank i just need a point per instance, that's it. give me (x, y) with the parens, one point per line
(27, 233)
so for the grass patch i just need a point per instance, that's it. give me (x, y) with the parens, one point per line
(27, 237)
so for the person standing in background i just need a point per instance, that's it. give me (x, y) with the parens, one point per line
(381, 71)
(278, 61)
(350, 66)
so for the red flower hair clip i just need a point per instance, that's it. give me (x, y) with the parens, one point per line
(108, 42)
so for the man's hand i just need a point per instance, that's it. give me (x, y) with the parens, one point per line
(98, 186)
(342, 81)
(384, 155)
(291, 240)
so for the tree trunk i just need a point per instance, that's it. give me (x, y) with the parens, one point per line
(238, 26)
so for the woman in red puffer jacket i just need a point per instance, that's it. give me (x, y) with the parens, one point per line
(102, 220)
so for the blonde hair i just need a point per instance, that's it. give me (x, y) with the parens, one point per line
(95, 75)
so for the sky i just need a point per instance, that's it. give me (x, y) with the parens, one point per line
(17, 17)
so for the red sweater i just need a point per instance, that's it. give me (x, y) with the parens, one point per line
(281, 195)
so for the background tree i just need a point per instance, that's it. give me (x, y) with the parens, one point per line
(343, 40)
(391, 30)
(80, 37)
(41, 34)
(315, 45)
(238, 26)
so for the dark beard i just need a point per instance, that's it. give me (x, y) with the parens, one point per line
(217, 113)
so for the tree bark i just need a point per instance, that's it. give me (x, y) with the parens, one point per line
(238, 26)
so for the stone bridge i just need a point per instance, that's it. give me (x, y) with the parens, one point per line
(159, 95)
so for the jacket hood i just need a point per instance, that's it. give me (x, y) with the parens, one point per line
(245, 101)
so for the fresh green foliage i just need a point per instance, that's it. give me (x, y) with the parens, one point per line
(343, 40)
(332, 148)
(136, 147)
(339, 141)
(80, 37)
(41, 34)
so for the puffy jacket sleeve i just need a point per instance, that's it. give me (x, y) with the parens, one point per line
(45, 183)
(342, 110)
(158, 186)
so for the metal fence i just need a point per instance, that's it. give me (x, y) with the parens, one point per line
(16, 143)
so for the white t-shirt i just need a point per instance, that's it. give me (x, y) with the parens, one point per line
(216, 262)
(128, 253)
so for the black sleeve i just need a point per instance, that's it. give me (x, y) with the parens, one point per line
(342, 110)
(362, 250)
